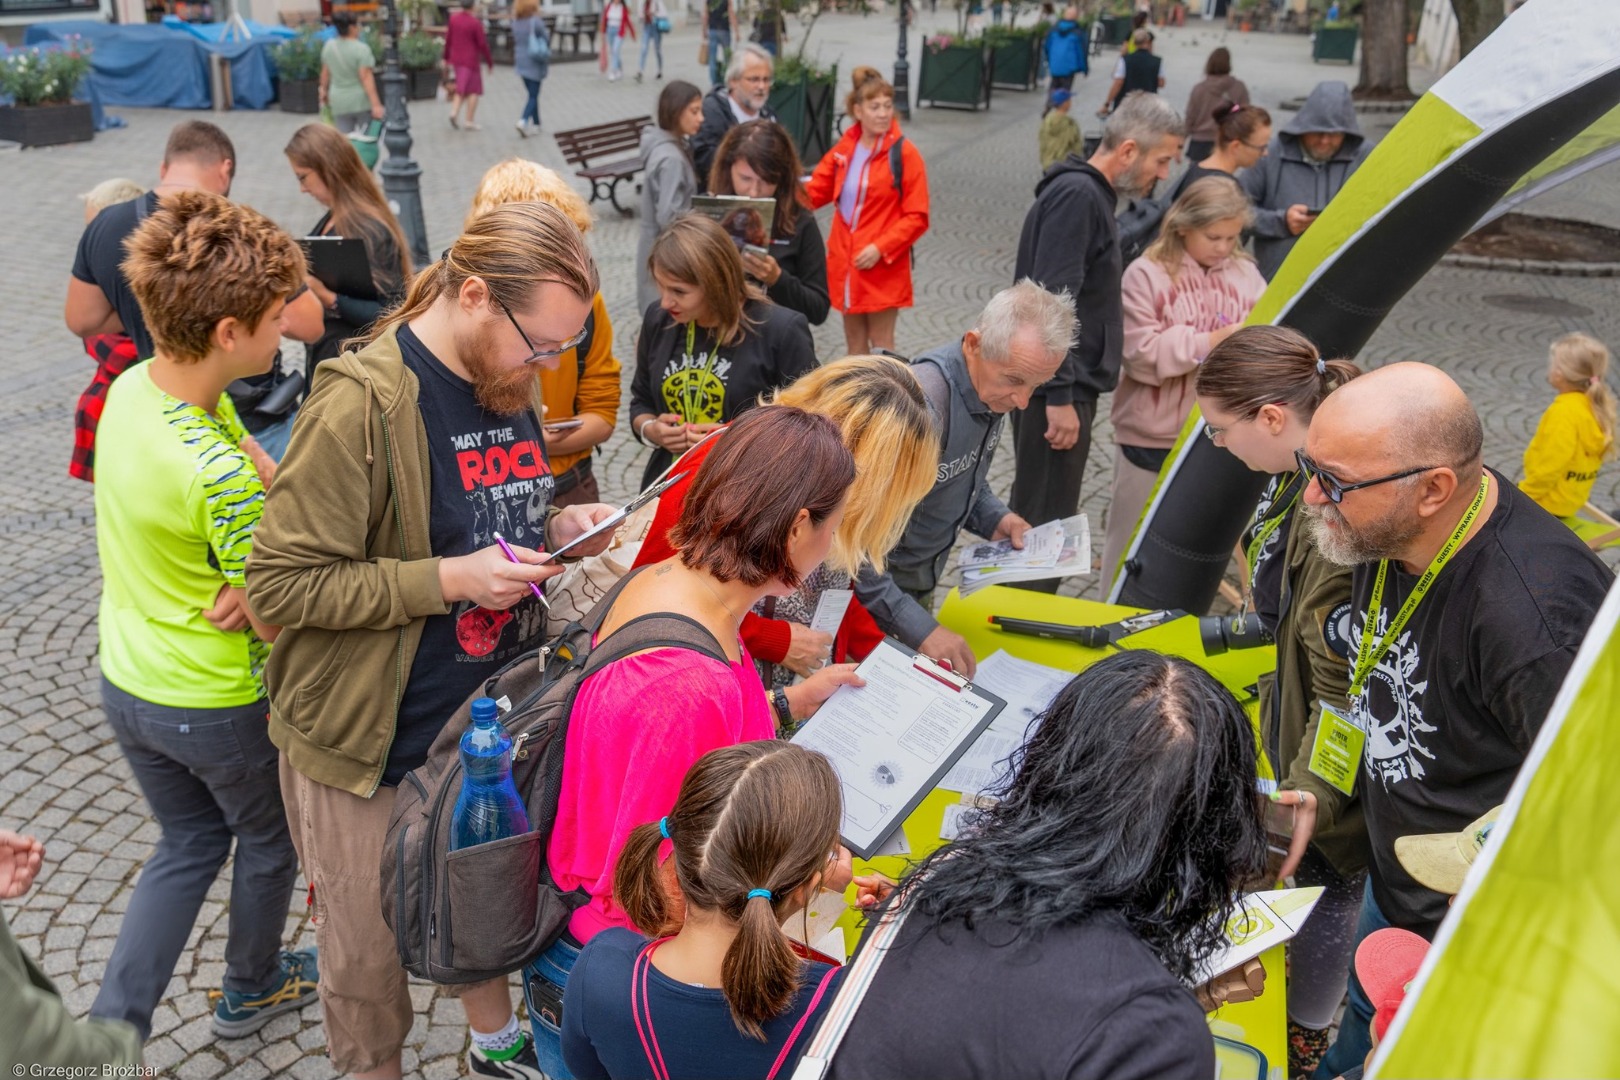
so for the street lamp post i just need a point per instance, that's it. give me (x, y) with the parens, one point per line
(902, 70)
(401, 175)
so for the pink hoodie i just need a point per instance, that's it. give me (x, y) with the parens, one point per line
(1167, 328)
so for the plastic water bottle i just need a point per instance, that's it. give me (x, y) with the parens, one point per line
(489, 806)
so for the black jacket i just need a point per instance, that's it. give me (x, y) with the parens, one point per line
(1070, 242)
(718, 118)
(803, 259)
(715, 384)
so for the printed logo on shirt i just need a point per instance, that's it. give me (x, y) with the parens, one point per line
(950, 470)
(1390, 710)
(1268, 499)
(695, 387)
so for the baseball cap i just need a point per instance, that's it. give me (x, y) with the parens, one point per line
(1059, 97)
(1386, 961)
(1440, 861)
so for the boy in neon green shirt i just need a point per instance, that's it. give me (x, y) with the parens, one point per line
(179, 491)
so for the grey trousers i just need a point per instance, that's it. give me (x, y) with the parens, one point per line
(209, 775)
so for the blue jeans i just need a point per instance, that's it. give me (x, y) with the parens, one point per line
(531, 108)
(615, 46)
(655, 39)
(274, 438)
(544, 979)
(1355, 1034)
(210, 776)
(719, 43)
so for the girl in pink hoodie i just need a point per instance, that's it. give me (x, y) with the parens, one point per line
(1192, 288)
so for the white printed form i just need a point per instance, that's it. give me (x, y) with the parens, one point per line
(1028, 688)
(891, 740)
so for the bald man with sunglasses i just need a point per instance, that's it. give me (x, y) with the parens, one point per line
(1468, 605)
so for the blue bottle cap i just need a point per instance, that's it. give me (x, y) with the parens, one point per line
(485, 711)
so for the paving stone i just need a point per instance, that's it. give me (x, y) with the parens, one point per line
(248, 1070)
(199, 1067)
(278, 1055)
(162, 1054)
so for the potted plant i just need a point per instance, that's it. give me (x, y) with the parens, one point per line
(955, 72)
(1015, 56)
(804, 99)
(1335, 40)
(298, 70)
(41, 83)
(419, 55)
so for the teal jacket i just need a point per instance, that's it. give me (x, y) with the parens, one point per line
(36, 1028)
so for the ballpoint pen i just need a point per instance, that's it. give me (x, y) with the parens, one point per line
(512, 555)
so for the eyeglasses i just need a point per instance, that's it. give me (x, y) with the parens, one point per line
(1262, 148)
(540, 354)
(1335, 489)
(1211, 432)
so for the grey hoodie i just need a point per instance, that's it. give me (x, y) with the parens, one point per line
(667, 188)
(1287, 176)
(969, 431)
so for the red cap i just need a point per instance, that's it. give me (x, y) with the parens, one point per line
(1386, 961)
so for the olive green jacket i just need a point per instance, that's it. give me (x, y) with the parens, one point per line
(1309, 672)
(37, 1029)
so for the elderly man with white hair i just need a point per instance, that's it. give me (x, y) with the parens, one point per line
(1017, 344)
(748, 87)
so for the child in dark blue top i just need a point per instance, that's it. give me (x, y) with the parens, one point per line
(752, 837)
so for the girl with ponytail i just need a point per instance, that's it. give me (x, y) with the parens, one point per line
(719, 991)
(1257, 392)
(1576, 433)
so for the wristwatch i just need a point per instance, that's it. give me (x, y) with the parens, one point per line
(784, 711)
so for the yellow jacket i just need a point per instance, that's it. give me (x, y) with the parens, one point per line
(566, 394)
(1561, 463)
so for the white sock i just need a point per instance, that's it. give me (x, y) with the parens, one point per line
(504, 1039)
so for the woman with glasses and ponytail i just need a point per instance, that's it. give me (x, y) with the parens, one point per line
(1257, 392)
(716, 989)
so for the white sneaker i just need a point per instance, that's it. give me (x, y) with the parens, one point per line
(523, 129)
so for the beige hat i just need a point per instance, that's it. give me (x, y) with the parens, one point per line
(1440, 861)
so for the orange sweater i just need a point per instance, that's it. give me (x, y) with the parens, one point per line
(566, 394)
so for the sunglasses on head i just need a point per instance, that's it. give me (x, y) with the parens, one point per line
(1335, 489)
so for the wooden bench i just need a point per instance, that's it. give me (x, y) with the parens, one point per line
(583, 27)
(586, 147)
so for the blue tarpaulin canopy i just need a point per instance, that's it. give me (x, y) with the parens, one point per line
(159, 66)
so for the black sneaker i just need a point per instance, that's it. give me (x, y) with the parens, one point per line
(237, 1015)
(516, 1063)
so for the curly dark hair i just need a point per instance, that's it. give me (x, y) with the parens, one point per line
(1135, 796)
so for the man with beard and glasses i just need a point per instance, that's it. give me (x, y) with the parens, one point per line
(1468, 604)
(1070, 242)
(378, 555)
(743, 98)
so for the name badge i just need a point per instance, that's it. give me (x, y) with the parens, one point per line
(1336, 753)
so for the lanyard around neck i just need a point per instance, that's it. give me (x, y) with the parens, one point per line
(1270, 525)
(691, 401)
(1371, 651)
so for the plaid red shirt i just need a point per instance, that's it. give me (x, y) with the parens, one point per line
(114, 354)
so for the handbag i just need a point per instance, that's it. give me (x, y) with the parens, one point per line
(539, 44)
(703, 52)
(663, 25)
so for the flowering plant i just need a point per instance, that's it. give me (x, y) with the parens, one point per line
(45, 77)
(940, 42)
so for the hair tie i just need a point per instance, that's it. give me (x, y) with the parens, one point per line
(1594, 380)
(1231, 107)
(1321, 366)
(762, 893)
(663, 828)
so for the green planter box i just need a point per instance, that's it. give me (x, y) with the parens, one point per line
(957, 76)
(47, 125)
(806, 108)
(1337, 43)
(1015, 64)
(1116, 29)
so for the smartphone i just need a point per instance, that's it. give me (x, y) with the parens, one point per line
(562, 425)
(756, 251)
(1313, 211)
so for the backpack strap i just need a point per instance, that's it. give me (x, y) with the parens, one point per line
(897, 164)
(657, 630)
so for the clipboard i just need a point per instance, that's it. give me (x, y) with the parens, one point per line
(893, 740)
(341, 264)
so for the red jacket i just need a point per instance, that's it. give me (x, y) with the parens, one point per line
(892, 220)
(767, 639)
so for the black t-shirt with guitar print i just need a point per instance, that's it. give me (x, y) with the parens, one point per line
(490, 475)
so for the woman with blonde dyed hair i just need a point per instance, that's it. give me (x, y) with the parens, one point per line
(580, 388)
(879, 407)
(1191, 289)
(711, 347)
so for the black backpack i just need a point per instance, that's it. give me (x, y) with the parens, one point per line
(482, 912)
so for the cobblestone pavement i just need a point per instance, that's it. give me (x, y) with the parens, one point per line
(61, 775)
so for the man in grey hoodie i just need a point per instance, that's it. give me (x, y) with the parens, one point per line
(1310, 158)
(1017, 344)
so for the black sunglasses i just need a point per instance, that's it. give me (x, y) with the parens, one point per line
(1335, 489)
(540, 354)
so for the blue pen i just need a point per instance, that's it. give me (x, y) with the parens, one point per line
(512, 555)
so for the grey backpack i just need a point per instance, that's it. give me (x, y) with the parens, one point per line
(481, 912)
